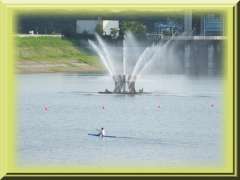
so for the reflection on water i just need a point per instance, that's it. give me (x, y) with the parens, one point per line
(178, 124)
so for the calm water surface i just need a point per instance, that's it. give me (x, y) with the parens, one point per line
(179, 124)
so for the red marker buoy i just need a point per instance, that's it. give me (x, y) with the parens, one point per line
(45, 108)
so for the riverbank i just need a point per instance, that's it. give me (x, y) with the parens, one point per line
(55, 54)
(29, 67)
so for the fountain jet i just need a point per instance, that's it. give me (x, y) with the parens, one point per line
(105, 51)
(125, 82)
(103, 59)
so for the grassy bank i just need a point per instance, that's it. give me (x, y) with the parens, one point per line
(66, 54)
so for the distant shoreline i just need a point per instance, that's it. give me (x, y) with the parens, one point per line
(32, 67)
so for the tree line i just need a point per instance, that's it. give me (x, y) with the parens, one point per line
(66, 25)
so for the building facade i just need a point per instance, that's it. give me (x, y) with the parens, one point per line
(109, 26)
(212, 25)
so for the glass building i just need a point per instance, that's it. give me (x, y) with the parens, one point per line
(212, 25)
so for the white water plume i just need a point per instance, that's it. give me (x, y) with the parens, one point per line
(131, 51)
(136, 57)
(106, 52)
(124, 59)
(145, 56)
(103, 59)
(157, 53)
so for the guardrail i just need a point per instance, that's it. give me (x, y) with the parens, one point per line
(159, 36)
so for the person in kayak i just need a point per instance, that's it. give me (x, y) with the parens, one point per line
(102, 132)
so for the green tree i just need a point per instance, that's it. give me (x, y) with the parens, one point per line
(135, 27)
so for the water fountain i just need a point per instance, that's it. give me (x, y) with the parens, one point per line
(124, 81)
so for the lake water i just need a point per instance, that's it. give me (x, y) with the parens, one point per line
(179, 124)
